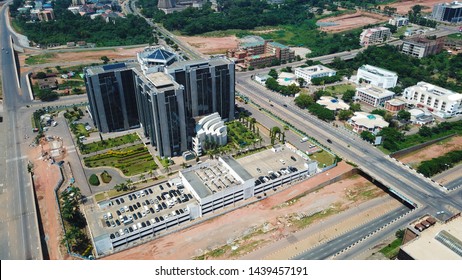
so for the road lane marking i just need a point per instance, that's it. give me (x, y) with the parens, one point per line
(15, 159)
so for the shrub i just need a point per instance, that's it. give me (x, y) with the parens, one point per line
(105, 177)
(94, 181)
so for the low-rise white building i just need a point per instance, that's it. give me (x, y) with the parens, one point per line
(420, 117)
(362, 121)
(261, 78)
(210, 128)
(315, 71)
(442, 102)
(376, 76)
(399, 21)
(332, 103)
(287, 79)
(373, 95)
(373, 36)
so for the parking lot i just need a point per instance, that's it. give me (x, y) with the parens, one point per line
(139, 209)
(263, 163)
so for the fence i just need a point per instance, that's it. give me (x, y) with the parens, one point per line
(406, 151)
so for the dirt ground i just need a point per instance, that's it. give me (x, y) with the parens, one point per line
(46, 177)
(85, 57)
(352, 21)
(211, 45)
(404, 6)
(257, 224)
(432, 151)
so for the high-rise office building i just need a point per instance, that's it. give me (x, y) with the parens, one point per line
(161, 110)
(450, 12)
(209, 88)
(111, 94)
(167, 104)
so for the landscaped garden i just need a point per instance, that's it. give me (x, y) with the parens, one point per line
(240, 135)
(109, 143)
(131, 161)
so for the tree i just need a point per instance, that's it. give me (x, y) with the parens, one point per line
(348, 95)
(399, 233)
(272, 84)
(301, 82)
(93, 180)
(47, 95)
(404, 115)
(304, 100)
(425, 131)
(41, 75)
(416, 9)
(368, 136)
(355, 107)
(379, 112)
(273, 73)
(344, 114)
(105, 59)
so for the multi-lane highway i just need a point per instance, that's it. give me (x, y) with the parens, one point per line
(19, 234)
(417, 189)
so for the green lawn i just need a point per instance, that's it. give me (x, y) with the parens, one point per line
(322, 158)
(71, 83)
(392, 249)
(131, 161)
(340, 89)
(39, 59)
(109, 143)
(400, 31)
(457, 36)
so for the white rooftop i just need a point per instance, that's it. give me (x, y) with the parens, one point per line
(369, 120)
(438, 242)
(378, 71)
(375, 91)
(315, 69)
(430, 88)
(332, 103)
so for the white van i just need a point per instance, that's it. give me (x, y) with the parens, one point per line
(109, 215)
(304, 139)
(156, 207)
(146, 209)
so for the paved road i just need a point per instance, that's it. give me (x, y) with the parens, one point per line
(329, 248)
(19, 234)
(419, 190)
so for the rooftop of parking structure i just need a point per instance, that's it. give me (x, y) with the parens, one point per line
(268, 160)
(95, 214)
(212, 176)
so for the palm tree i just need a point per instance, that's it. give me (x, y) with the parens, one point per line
(128, 181)
(167, 169)
(67, 213)
(252, 124)
(151, 172)
(241, 116)
(142, 177)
